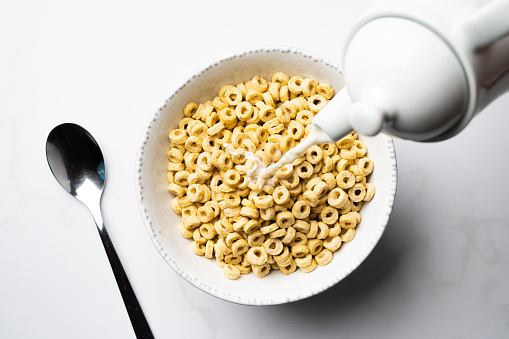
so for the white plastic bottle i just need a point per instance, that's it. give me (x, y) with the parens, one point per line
(420, 69)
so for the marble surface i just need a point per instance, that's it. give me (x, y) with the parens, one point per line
(441, 268)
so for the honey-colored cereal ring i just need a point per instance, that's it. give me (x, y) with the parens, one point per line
(301, 209)
(329, 148)
(310, 198)
(210, 144)
(269, 228)
(178, 136)
(309, 87)
(360, 148)
(289, 236)
(290, 268)
(228, 116)
(252, 226)
(209, 249)
(198, 129)
(299, 239)
(263, 201)
(299, 251)
(278, 233)
(218, 103)
(273, 246)
(257, 255)
(295, 84)
(367, 165)
(231, 177)
(181, 178)
(345, 179)
(273, 90)
(304, 117)
(175, 155)
(370, 191)
(314, 246)
(335, 230)
(320, 189)
(304, 261)
(324, 257)
(325, 90)
(233, 96)
(310, 268)
(176, 189)
(260, 84)
(314, 154)
(357, 192)
(286, 143)
(244, 111)
(223, 136)
(285, 219)
(195, 192)
(190, 109)
(197, 248)
(231, 199)
(239, 247)
(184, 231)
(290, 109)
(292, 181)
(313, 229)
(267, 99)
(205, 214)
(296, 130)
(284, 172)
(175, 205)
(332, 243)
(323, 231)
(304, 170)
(302, 226)
(301, 103)
(347, 235)
(281, 78)
(261, 271)
(175, 167)
(266, 113)
(231, 272)
(316, 102)
(348, 154)
(329, 215)
(281, 195)
(207, 231)
(198, 237)
(253, 96)
(347, 221)
(267, 213)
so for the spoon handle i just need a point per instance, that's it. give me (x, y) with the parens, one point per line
(138, 320)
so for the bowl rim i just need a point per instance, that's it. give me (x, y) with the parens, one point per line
(147, 219)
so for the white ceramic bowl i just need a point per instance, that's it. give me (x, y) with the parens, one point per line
(161, 222)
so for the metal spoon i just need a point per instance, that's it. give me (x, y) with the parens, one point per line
(77, 163)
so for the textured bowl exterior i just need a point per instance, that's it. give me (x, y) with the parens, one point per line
(161, 222)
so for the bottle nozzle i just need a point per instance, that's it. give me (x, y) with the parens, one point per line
(365, 118)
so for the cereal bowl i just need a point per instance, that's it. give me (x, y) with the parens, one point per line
(161, 221)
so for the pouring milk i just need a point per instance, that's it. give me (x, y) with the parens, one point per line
(420, 70)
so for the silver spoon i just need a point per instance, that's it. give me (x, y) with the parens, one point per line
(77, 163)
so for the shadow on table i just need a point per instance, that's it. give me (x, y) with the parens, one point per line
(355, 292)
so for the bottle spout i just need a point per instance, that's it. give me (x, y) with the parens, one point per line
(333, 119)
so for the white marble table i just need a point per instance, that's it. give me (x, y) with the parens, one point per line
(440, 270)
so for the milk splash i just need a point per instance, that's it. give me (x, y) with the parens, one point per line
(263, 175)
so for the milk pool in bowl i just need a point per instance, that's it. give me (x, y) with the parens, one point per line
(161, 222)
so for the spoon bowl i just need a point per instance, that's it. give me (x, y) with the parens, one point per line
(77, 163)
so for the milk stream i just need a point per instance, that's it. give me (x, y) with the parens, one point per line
(264, 175)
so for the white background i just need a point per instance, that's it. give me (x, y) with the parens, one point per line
(441, 268)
